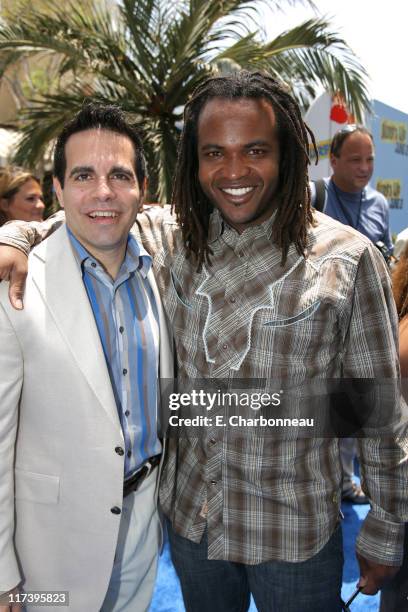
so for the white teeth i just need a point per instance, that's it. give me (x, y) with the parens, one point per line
(102, 213)
(238, 191)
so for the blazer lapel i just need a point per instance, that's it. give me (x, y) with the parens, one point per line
(55, 273)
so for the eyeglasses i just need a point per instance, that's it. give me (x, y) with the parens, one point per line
(341, 135)
(349, 128)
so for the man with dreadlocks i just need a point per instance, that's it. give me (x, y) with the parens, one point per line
(257, 286)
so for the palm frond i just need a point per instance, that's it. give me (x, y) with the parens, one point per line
(149, 55)
(311, 54)
(8, 59)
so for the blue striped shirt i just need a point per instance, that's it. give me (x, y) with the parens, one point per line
(126, 316)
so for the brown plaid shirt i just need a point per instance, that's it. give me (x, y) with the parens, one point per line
(325, 316)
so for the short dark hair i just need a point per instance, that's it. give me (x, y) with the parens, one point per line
(342, 135)
(94, 116)
(294, 213)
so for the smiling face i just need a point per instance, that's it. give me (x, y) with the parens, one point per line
(101, 194)
(353, 167)
(238, 155)
(27, 204)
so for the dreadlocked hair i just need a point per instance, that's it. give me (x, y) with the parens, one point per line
(400, 284)
(293, 198)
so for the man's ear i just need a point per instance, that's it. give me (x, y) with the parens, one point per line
(143, 191)
(58, 191)
(4, 204)
(333, 161)
(144, 187)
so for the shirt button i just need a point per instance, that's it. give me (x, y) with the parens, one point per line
(93, 264)
(225, 346)
(212, 440)
(124, 371)
(232, 300)
(116, 510)
(241, 254)
(121, 329)
(127, 412)
(119, 450)
(213, 482)
(129, 453)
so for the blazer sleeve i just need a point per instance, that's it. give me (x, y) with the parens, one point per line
(11, 379)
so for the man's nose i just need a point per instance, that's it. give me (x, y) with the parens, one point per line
(235, 167)
(367, 165)
(103, 189)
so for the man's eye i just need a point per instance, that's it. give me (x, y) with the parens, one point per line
(120, 176)
(256, 152)
(84, 176)
(213, 154)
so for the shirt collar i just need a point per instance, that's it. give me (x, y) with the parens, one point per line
(136, 257)
(217, 226)
(352, 196)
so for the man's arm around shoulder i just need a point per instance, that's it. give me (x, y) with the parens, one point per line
(16, 240)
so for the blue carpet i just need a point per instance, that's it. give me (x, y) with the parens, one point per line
(167, 596)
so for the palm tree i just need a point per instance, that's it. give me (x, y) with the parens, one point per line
(23, 77)
(148, 55)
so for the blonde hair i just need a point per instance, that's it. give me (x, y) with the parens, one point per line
(400, 284)
(12, 178)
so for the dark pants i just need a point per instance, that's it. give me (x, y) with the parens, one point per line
(394, 596)
(276, 586)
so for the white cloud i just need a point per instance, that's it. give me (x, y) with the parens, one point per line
(376, 31)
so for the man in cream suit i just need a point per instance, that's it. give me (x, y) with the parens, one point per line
(78, 389)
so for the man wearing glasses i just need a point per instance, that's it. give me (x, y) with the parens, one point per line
(347, 197)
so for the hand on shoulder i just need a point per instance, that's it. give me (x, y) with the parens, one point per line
(14, 268)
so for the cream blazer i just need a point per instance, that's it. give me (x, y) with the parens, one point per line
(59, 472)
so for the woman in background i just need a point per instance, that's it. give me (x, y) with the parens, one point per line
(394, 597)
(21, 196)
